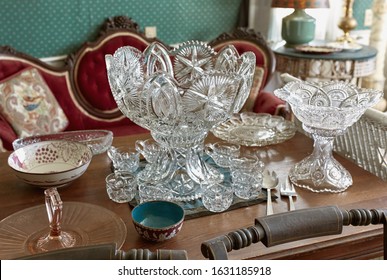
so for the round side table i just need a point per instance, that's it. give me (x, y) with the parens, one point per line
(348, 66)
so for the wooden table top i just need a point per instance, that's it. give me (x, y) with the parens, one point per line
(367, 191)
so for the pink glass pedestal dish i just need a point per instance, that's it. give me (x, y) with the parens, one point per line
(69, 224)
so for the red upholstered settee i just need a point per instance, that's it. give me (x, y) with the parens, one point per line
(81, 86)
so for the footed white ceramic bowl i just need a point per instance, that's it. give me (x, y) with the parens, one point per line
(48, 164)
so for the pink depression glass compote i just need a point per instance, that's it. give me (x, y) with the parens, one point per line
(55, 238)
(179, 95)
(326, 110)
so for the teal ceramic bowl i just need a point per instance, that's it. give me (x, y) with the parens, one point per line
(158, 220)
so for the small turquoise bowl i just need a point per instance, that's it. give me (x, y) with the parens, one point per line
(158, 220)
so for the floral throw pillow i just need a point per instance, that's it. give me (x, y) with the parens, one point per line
(2, 149)
(29, 106)
(255, 89)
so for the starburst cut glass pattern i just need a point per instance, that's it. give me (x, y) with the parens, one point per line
(179, 95)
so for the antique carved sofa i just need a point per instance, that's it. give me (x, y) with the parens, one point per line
(75, 96)
(38, 98)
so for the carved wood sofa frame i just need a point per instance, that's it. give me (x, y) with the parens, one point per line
(81, 86)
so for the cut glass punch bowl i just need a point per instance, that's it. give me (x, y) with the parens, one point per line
(179, 95)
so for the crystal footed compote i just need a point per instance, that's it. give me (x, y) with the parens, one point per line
(179, 95)
(326, 110)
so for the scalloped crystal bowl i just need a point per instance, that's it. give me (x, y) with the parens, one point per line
(179, 95)
(49, 164)
(98, 141)
(158, 220)
(326, 110)
(328, 105)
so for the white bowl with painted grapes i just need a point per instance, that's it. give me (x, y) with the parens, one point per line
(48, 164)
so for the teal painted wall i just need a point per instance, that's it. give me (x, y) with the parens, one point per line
(46, 28)
(359, 8)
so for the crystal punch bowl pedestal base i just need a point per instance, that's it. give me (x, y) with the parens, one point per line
(179, 95)
(326, 110)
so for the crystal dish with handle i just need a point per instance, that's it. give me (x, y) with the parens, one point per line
(19, 231)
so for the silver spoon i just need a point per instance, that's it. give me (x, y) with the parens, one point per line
(270, 181)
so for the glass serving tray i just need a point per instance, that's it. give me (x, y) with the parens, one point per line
(91, 224)
(194, 208)
(255, 129)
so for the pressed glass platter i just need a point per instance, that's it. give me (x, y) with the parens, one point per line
(255, 129)
(91, 224)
